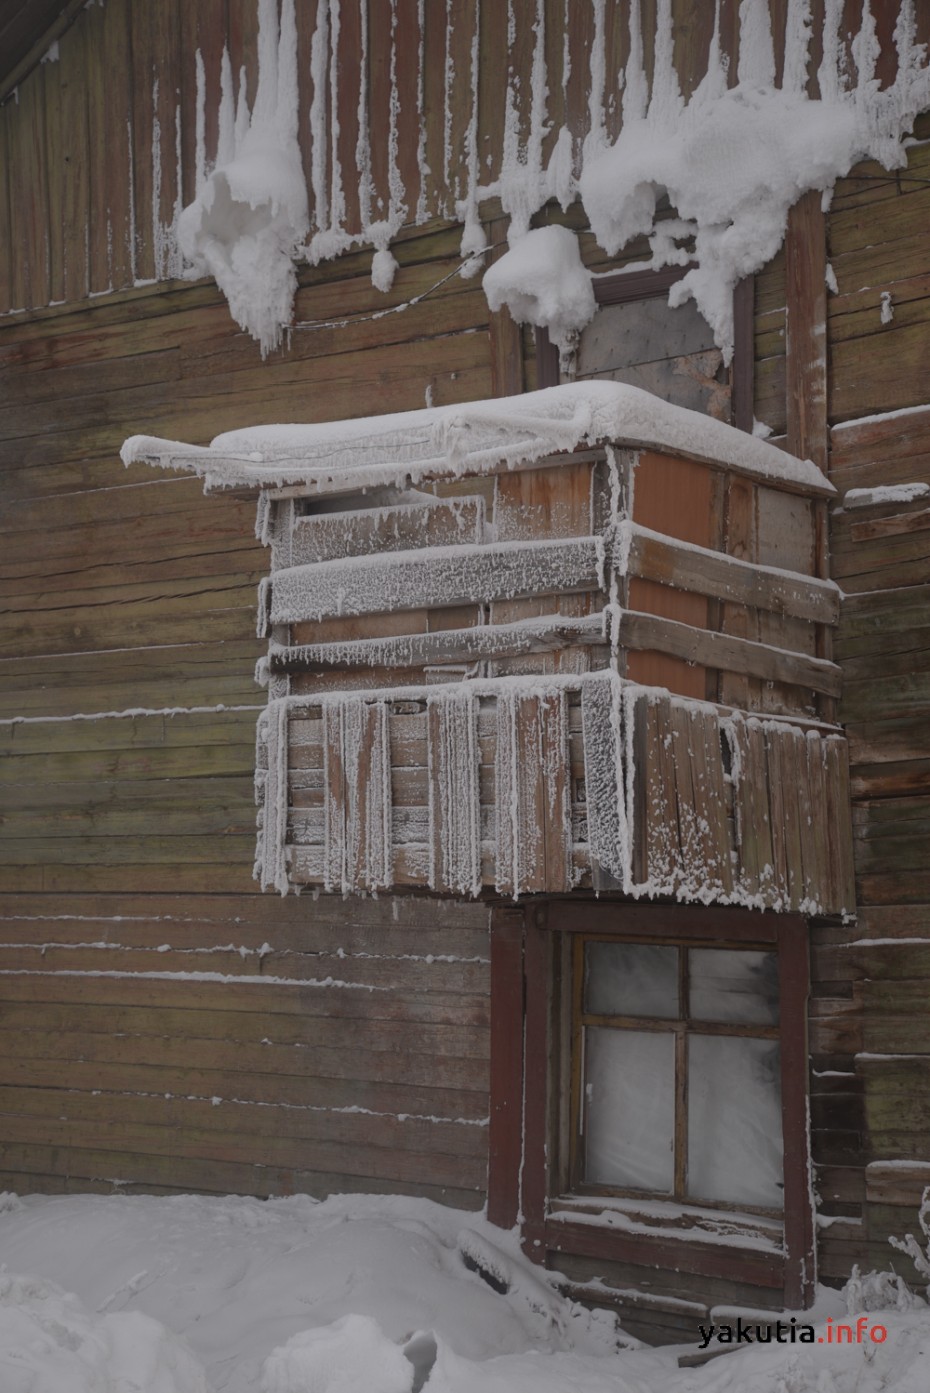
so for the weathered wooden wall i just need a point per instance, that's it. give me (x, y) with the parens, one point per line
(127, 593)
(127, 729)
(870, 1046)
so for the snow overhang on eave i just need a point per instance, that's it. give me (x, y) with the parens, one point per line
(483, 437)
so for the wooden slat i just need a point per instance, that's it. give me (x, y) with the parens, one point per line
(408, 580)
(728, 653)
(444, 646)
(505, 1138)
(692, 568)
(805, 334)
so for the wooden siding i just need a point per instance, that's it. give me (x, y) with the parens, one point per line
(127, 750)
(141, 1049)
(870, 1102)
(85, 194)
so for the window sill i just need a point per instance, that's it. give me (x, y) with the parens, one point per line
(667, 1218)
(708, 1242)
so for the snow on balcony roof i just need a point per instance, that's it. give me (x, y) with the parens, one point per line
(338, 456)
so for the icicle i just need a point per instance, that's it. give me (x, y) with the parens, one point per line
(200, 166)
(158, 241)
(319, 53)
(866, 50)
(226, 142)
(337, 202)
(422, 166)
(287, 95)
(635, 91)
(829, 73)
(756, 55)
(243, 115)
(363, 139)
(474, 238)
(665, 106)
(447, 89)
(596, 139)
(454, 803)
(798, 28)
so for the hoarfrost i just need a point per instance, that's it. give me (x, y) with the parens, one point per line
(455, 829)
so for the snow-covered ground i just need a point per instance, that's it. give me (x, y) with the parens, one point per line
(360, 1294)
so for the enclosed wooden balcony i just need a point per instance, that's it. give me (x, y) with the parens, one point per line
(578, 638)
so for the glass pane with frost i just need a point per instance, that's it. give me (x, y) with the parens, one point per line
(631, 979)
(629, 1108)
(734, 1120)
(733, 985)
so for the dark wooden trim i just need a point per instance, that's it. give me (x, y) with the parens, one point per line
(623, 287)
(537, 1051)
(800, 1249)
(504, 334)
(675, 921)
(742, 370)
(547, 360)
(505, 1129)
(674, 1254)
(805, 330)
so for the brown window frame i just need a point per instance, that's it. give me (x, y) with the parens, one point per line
(682, 1028)
(625, 287)
(530, 1122)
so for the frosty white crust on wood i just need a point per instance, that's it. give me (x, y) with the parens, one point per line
(496, 667)
(534, 786)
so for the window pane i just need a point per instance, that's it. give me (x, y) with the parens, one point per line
(631, 979)
(734, 1120)
(738, 986)
(629, 1108)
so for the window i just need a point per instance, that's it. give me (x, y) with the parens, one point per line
(677, 1088)
(649, 1089)
(637, 337)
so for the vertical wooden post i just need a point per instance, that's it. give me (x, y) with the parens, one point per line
(806, 369)
(507, 378)
(505, 1140)
(800, 1252)
(535, 1168)
(806, 330)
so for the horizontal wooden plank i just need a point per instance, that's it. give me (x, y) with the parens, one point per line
(338, 1158)
(435, 577)
(550, 633)
(688, 567)
(79, 1169)
(727, 652)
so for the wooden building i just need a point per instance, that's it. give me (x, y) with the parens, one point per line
(738, 644)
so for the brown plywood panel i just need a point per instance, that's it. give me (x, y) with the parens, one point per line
(674, 497)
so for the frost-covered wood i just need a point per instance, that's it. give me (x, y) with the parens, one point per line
(434, 577)
(467, 660)
(528, 784)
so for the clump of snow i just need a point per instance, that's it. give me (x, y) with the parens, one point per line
(543, 281)
(351, 1354)
(383, 270)
(250, 216)
(51, 1343)
(733, 161)
(885, 493)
